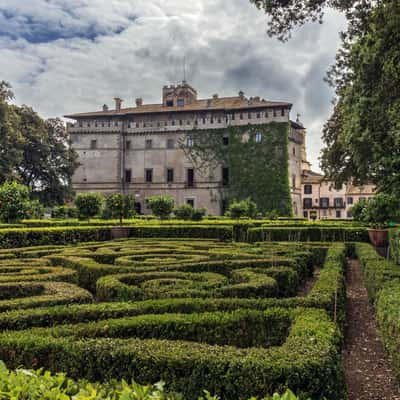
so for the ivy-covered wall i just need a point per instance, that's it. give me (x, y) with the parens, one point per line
(256, 169)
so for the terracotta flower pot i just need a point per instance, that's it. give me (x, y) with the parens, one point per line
(379, 237)
(119, 232)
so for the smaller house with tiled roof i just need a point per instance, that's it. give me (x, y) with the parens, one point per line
(322, 200)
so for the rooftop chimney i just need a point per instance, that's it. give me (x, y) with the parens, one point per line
(139, 102)
(118, 103)
(105, 107)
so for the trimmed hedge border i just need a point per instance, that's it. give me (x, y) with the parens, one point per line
(178, 231)
(234, 347)
(39, 384)
(11, 238)
(308, 357)
(328, 293)
(16, 296)
(22, 237)
(308, 234)
(382, 279)
(394, 245)
(377, 271)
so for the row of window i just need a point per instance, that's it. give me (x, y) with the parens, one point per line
(169, 176)
(180, 122)
(313, 215)
(324, 202)
(170, 143)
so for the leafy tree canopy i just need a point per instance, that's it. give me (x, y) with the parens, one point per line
(34, 151)
(362, 139)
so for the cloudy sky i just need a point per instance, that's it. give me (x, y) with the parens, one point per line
(65, 56)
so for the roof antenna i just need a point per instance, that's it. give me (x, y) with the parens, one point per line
(184, 69)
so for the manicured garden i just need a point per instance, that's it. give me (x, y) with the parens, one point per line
(229, 307)
(231, 318)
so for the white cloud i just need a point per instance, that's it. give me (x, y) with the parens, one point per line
(224, 43)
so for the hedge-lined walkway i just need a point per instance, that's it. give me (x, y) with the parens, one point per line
(368, 374)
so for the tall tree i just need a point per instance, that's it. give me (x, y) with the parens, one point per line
(362, 139)
(10, 137)
(36, 151)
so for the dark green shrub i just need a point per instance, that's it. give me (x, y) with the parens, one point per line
(21, 237)
(237, 209)
(61, 212)
(182, 231)
(88, 204)
(394, 245)
(377, 271)
(184, 211)
(382, 280)
(387, 312)
(161, 206)
(119, 206)
(308, 356)
(187, 212)
(357, 210)
(41, 294)
(199, 214)
(35, 209)
(244, 208)
(381, 210)
(39, 385)
(14, 202)
(308, 234)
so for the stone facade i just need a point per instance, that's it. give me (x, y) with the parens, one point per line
(136, 149)
(321, 200)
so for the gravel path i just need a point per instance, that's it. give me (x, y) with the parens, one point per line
(367, 370)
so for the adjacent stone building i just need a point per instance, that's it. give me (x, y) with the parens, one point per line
(140, 149)
(321, 200)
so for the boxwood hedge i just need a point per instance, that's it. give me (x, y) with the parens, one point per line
(308, 234)
(204, 319)
(382, 280)
(307, 357)
(39, 385)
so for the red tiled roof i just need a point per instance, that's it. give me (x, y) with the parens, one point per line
(223, 103)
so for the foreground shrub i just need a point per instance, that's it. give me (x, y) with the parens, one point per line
(161, 206)
(21, 237)
(102, 351)
(378, 212)
(61, 212)
(119, 206)
(184, 211)
(88, 204)
(382, 280)
(35, 209)
(14, 202)
(377, 271)
(244, 208)
(187, 212)
(199, 214)
(308, 234)
(39, 385)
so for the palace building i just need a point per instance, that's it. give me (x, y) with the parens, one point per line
(138, 149)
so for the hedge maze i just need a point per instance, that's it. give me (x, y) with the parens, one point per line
(232, 318)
